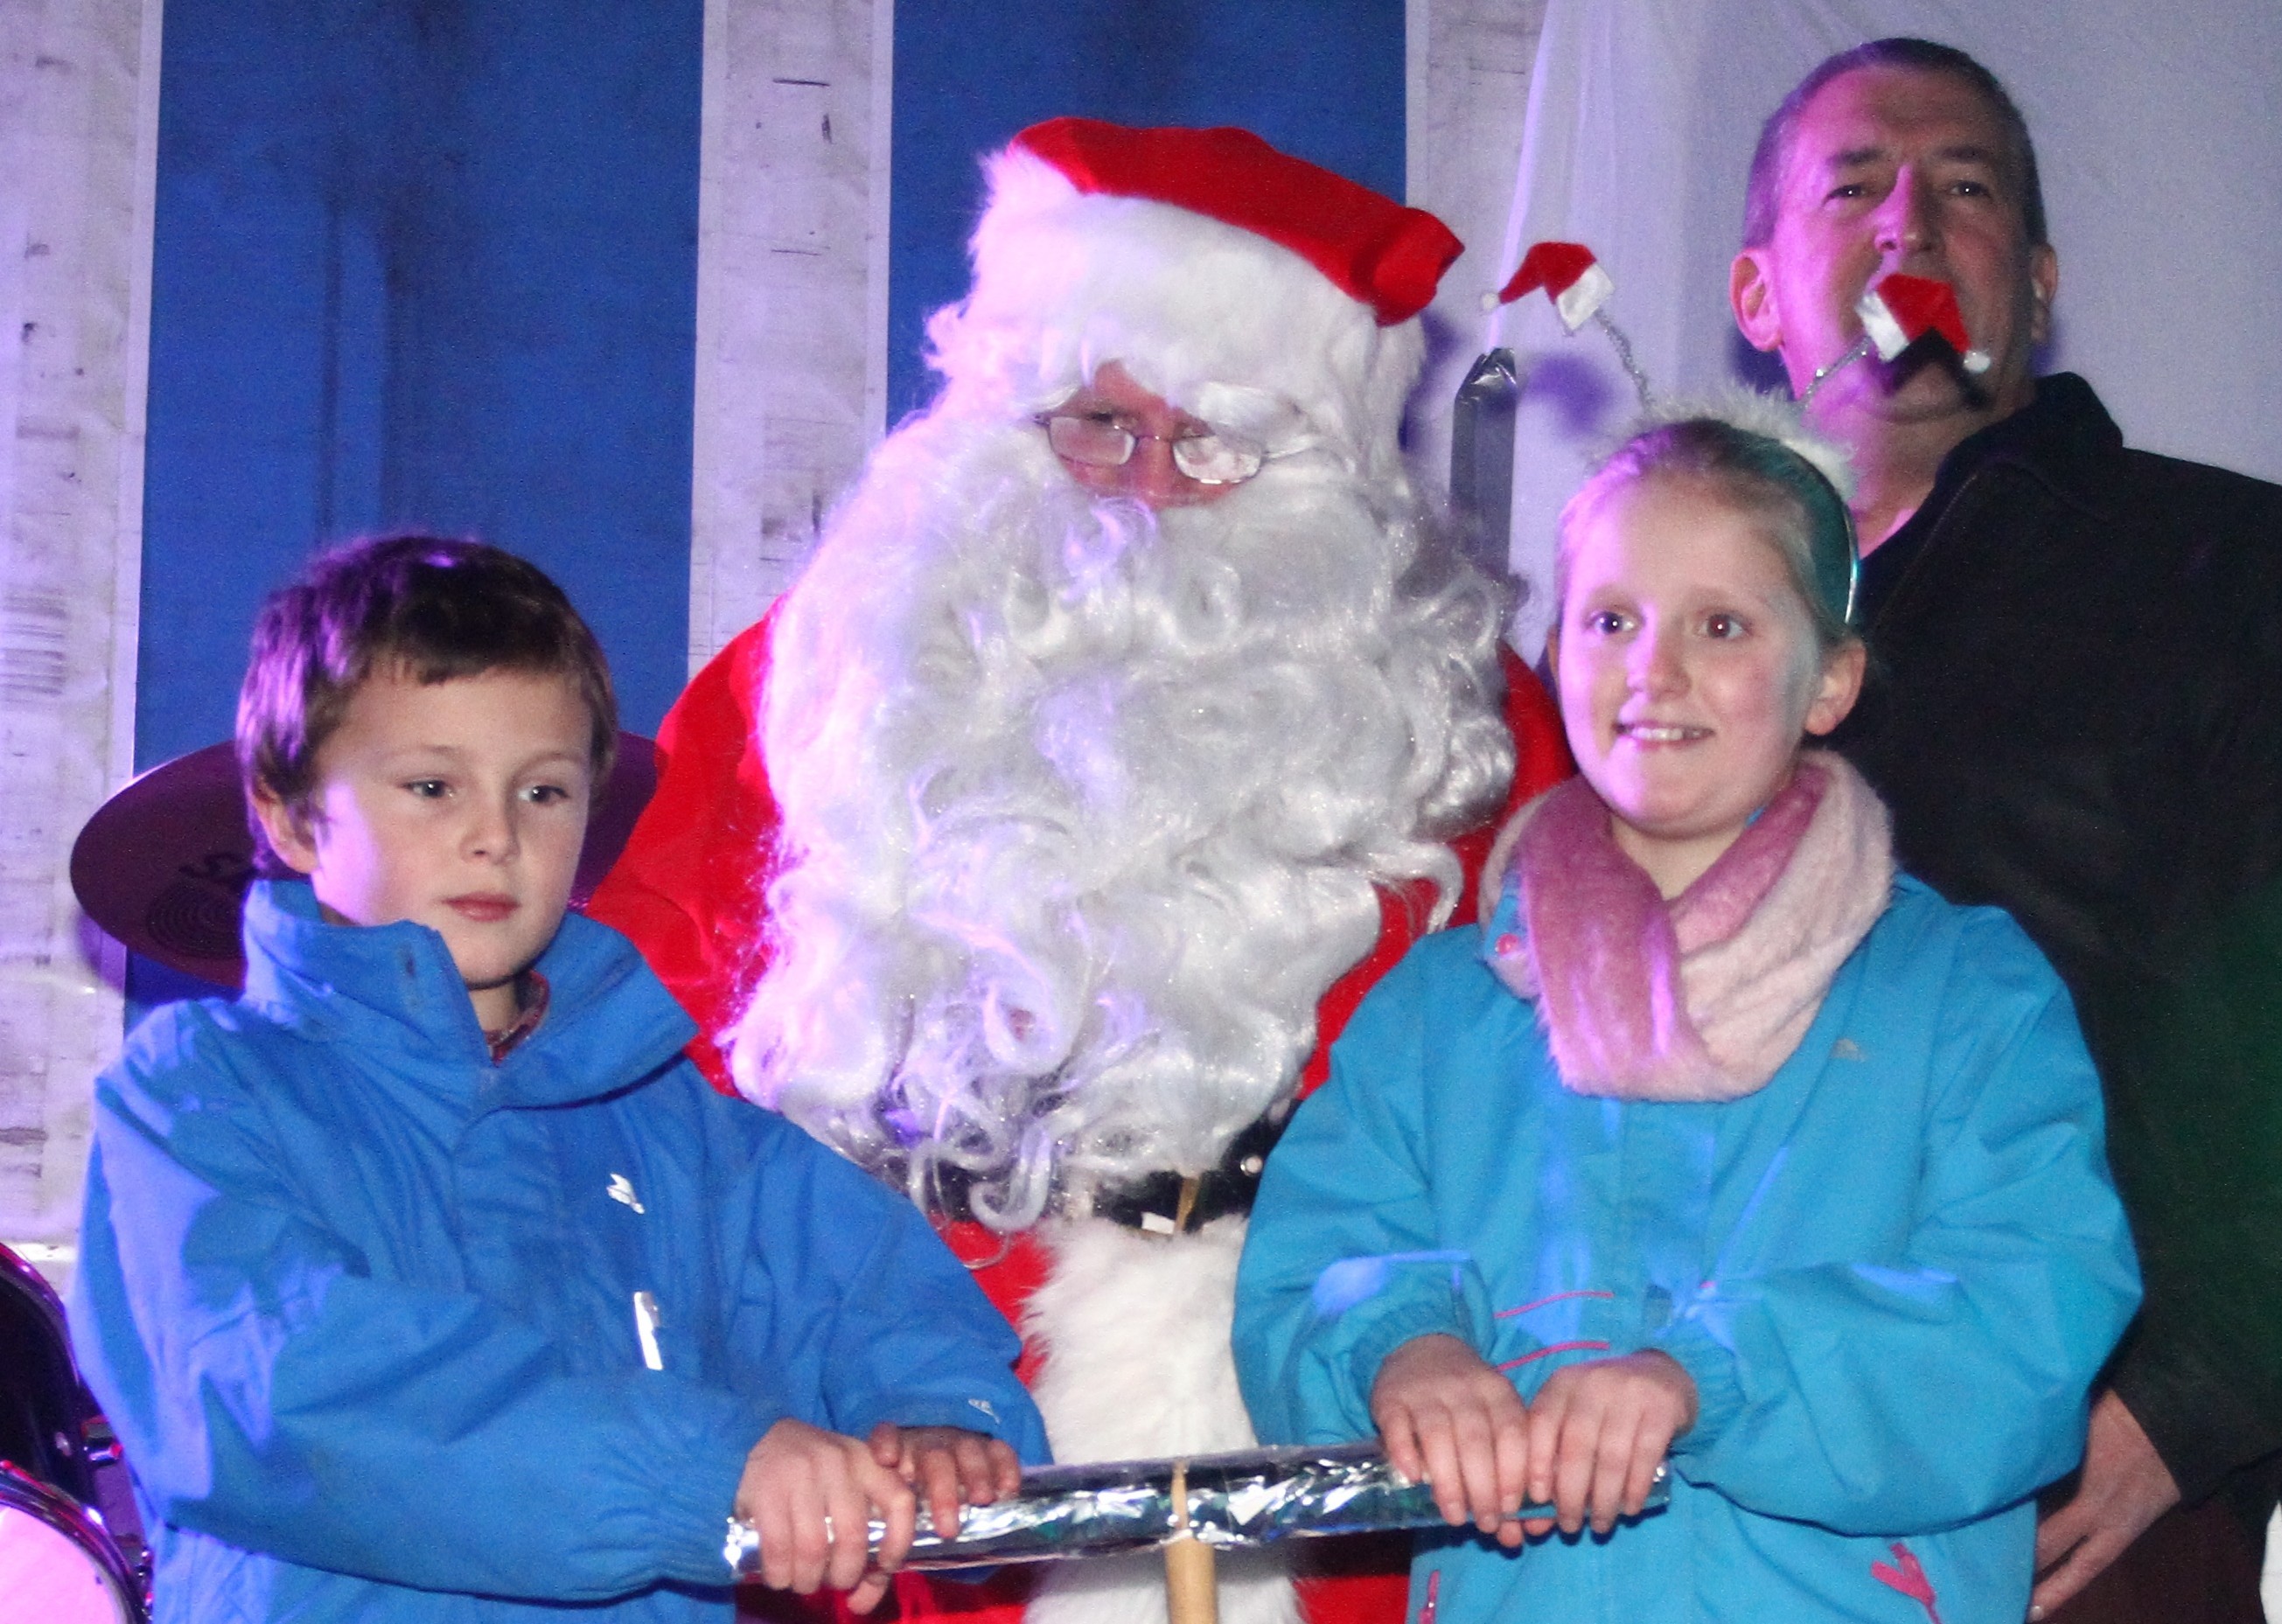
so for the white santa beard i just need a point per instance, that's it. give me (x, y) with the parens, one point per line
(1083, 809)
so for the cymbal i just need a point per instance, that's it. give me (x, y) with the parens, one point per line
(163, 866)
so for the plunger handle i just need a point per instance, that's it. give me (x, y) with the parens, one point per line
(1191, 1595)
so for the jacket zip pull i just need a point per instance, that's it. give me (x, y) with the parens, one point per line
(646, 1323)
(1433, 1597)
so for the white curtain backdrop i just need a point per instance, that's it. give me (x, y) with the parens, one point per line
(792, 291)
(79, 120)
(2158, 130)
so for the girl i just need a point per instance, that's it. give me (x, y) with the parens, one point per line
(1721, 1138)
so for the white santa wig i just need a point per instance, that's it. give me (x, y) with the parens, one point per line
(1083, 806)
(1214, 318)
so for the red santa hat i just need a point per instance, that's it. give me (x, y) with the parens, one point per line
(1240, 282)
(1374, 249)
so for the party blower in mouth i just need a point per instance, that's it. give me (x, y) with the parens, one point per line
(1898, 310)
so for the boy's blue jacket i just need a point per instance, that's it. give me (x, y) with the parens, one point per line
(360, 1305)
(1892, 1274)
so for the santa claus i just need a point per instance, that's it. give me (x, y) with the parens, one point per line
(1126, 724)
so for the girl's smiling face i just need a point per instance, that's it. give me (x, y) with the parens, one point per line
(1687, 668)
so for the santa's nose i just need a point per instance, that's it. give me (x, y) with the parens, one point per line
(1154, 478)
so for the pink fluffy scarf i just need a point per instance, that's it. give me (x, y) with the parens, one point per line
(1704, 997)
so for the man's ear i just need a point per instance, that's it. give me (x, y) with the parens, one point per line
(2043, 284)
(1752, 297)
(288, 830)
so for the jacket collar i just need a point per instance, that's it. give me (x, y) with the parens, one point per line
(2063, 439)
(2064, 434)
(393, 987)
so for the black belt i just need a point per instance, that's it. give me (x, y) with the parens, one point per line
(1164, 1202)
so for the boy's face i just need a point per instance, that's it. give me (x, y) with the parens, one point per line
(460, 805)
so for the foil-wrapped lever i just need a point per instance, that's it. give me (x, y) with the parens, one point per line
(1257, 1498)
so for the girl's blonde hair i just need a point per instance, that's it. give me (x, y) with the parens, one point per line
(1769, 469)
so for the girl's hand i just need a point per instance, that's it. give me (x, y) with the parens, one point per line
(949, 1466)
(1597, 1433)
(1450, 1421)
(811, 1495)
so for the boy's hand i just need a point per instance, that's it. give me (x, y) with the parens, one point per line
(811, 1495)
(949, 1466)
(1596, 1432)
(1450, 1421)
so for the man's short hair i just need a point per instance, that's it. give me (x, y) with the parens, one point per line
(434, 607)
(1762, 194)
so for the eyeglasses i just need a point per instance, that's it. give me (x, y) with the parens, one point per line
(1213, 458)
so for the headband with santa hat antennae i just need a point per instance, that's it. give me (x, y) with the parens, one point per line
(1571, 276)
(1482, 414)
(1820, 475)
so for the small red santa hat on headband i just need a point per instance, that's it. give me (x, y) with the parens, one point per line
(1570, 275)
(1236, 280)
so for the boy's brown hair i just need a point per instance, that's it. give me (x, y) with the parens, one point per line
(435, 608)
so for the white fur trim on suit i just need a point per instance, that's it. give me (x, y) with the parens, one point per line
(1136, 1332)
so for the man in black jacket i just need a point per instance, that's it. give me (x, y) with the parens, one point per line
(2078, 716)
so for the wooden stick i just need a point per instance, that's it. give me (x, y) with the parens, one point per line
(1191, 1595)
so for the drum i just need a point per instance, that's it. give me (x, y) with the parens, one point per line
(59, 1464)
(56, 1563)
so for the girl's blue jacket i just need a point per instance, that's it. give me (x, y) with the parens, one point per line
(361, 1304)
(1892, 1274)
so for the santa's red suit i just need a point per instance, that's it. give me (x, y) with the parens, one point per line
(1032, 851)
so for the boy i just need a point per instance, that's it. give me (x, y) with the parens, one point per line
(427, 1280)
